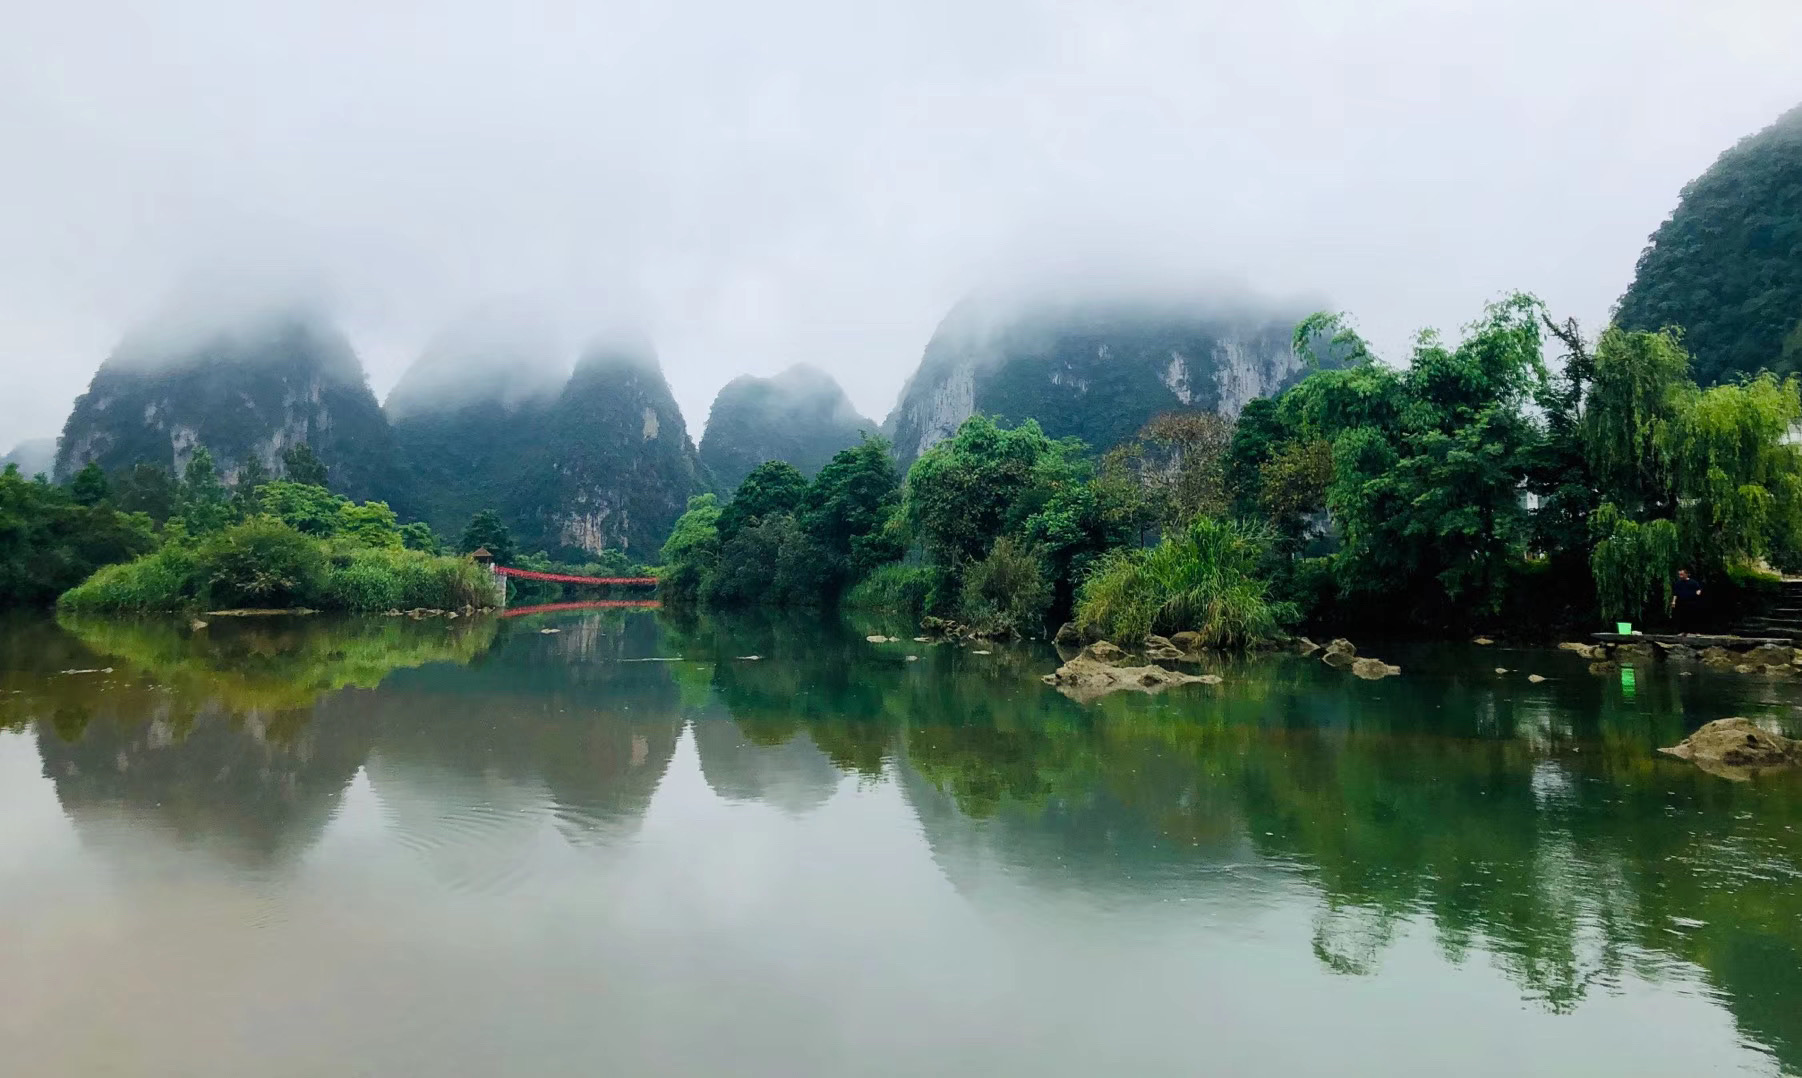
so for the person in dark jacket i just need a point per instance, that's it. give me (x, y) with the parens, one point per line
(1686, 602)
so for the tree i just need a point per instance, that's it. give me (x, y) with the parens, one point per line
(205, 504)
(149, 489)
(301, 465)
(89, 487)
(985, 480)
(307, 509)
(770, 561)
(49, 542)
(773, 487)
(419, 535)
(847, 508)
(691, 552)
(370, 524)
(251, 478)
(486, 529)
(1180, 462)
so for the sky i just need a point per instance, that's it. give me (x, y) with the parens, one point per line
(755, 185)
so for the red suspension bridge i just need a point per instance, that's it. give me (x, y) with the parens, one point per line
(565, 578)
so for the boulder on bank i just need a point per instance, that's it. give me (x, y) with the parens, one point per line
(1304, 646)
(1067, 635)
(1093, 674)
(1719, 658)
(1736, 748)
(1186, 641)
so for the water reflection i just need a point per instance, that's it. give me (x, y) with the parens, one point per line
(1527, 827)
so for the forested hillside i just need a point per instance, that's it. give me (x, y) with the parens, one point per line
(1726, 266)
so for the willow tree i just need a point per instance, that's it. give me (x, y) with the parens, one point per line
(1685, 476)
(1737, 482)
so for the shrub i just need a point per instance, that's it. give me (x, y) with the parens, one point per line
(261, 562)
(1206, 580)
(1006, 593)
(894, 588)
(165, 580)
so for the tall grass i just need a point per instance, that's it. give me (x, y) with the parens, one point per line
(265, 563)
(894, 588)
(1206, 580)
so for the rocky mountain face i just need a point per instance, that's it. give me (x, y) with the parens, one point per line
(602, 462)
(247, 391)
(34, 456)
(800, 416)
(1095, 370)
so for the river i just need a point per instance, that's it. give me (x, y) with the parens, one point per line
(640, 845)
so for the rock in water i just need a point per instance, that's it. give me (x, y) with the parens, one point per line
(1736, 748)
(254, 388)
(1372, 669)
(1087, 677)
(1103, 652)
(1095, 368)
(1067, 635)
(1304, 646)
(1535, 678)
(1340, 654)
(1770, 655)
(800, 416)
(1482, 641)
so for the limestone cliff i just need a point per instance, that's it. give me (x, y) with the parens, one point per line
(246, 390)
(1096, 370)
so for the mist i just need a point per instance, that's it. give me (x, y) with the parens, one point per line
(806, 182)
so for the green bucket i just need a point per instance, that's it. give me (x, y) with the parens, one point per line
(1625, 628)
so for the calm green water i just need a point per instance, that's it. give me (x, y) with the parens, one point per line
(472, 848)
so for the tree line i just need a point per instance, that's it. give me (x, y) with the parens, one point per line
(1476, 484)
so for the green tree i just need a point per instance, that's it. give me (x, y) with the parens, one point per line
(419, 535)
(771, 561)
(371, 524)
(301, 465)
(848, 506)
(49, 542)
(149, 489)
(486, 529)
(205, 504)
(251, 478)
(308, 509)
(691, 552)
(89, 487)
(984, 481)
(773, 487)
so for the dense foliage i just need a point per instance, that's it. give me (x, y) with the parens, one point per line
(260, 542)
(1726, 266)
(52, 537)
(782, 540)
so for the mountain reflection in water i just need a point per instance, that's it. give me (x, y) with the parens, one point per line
(399, 846)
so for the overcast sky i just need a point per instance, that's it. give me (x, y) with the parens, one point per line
(818, 180)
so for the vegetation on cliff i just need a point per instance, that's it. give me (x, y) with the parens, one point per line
(800, 416)
(1726, 266)
(245, 392)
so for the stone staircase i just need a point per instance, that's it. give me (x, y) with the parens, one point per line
(1783, 619)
